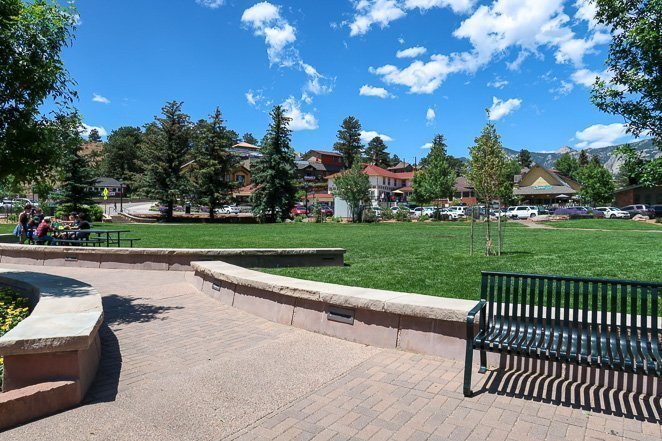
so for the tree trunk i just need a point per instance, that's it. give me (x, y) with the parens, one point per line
(498, 228)
(488, 239)
(170, 209)
(471, 246)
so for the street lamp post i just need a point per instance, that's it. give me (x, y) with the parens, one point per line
(121, 197)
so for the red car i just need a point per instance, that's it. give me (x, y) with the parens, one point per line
(298, 209)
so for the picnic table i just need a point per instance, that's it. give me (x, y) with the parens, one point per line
(108, 234)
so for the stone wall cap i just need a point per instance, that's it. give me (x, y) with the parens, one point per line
(417, 305)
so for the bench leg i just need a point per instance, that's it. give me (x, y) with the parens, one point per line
(483, 362)
(468, 362)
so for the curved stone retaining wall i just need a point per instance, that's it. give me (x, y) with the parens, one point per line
(413, 322)
(165, 259)
(51, 357)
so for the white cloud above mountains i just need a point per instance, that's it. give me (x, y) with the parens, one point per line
(378, 92)
(523, 27)
(601, 135)
(85, 130)
(501, 108)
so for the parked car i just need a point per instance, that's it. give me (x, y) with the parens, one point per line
(524, 212)
(230, 209)
(395, 208)
(420, 211)
(378, 211)
(644, 210)
(6, 204)
(298, 209)
(612, 213)
(658, 210)
(577, 211)
(457, 212)
(326, 210)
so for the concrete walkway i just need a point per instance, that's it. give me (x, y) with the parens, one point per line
(177, 365)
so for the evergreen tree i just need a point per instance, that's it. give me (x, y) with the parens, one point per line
(488, 171)
(376, 153)
(395, 160)
(567, 165)
(583, 159)
(595, 159)
(213, 162)
(353, 187)
(597, 184)
(524, 158)
(167, 145)
(274, 173)
(94, 136)
(349, 141)
(250, 139)
(437, 181)
(123, 156)
(76, 176)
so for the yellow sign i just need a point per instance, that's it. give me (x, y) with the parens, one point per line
(105, 194)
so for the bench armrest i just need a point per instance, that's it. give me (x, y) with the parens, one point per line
(471, 316)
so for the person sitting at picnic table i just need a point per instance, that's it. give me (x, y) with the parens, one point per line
(32, 226)
(23, 220)
(42, 232)
(83, 225)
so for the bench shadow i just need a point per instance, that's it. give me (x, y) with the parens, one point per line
(123, 310)
(588, 389)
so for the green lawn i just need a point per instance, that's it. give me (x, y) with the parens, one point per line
(428, 258)
(605, 224)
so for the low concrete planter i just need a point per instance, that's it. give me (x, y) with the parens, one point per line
(413, 322)
(51, 357)
(166, 259)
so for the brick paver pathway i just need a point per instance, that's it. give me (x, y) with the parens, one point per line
(179, 366)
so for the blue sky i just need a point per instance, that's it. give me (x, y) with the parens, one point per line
(407, 69)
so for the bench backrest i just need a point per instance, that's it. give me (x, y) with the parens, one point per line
(582, 309)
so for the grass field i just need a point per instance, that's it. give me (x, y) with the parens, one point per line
(605, 224)
(428, 258)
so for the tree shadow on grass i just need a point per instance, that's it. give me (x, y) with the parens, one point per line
(597, 391)
(123, 310)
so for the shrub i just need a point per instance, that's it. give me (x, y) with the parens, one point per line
(581, 216)
(387, 214)
(369, 216)
(318, 214)
(423, 217)
(336, 219)
(93, 212)
(299, 218)
(402, 215)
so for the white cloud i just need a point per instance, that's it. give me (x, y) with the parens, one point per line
(317, 84)
(369, 12)
(564, 89)
(100, 99)
(458, 6)
(368, 135)
(211, 4)
(412, 52)
(601, 135)
(586, 10)
(501, 108)
(427, 145)
(260, 14)
(430, 116)
(266, 21)
(401, 40)
(300, 120)
(85, 130)
(498, 83)
(379, 92)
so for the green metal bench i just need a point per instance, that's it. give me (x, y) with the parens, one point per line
(612, 324)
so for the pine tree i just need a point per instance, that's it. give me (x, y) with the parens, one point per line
(376, 153)
(349, 141)
(437, 181)
(167, 145)
(76, 175)
(274, 173)
(250, 139)
(583, 159)
(122, 156)
(488, 171)
(213, 162)
(524, 158)
(395, 160)
(94, 136)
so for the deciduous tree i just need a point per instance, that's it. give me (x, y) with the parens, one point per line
(353, 186)
(597, 184)
(567, 165)
(635, 61)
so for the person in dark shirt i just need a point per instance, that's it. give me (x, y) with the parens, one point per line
(23, 220)
(83, 225)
